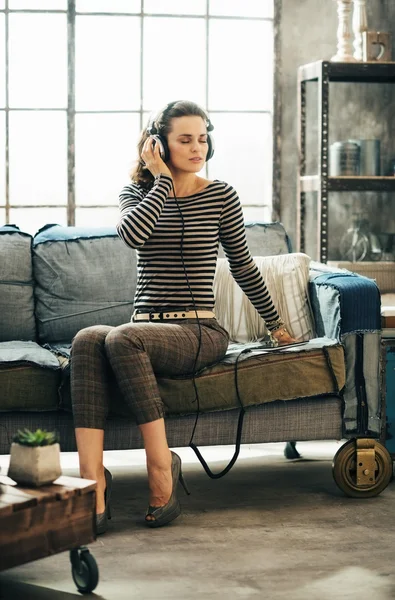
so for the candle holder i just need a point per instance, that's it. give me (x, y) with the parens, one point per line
(344, 45)
(359, 26)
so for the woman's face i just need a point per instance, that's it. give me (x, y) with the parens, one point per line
(187, 143)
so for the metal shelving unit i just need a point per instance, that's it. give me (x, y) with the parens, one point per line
(324, 72)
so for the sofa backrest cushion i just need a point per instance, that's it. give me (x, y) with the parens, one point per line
(84, 277)
(265, 239)
(287, 279)
(17, 320)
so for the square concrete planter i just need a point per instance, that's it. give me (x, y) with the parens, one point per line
(34, 465)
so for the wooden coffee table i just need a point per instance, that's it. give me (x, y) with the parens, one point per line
(39, 522)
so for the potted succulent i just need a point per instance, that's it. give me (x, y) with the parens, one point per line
(35, 457)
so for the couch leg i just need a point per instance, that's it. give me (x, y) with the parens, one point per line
(290, 451)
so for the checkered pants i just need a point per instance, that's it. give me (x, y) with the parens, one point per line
(136, 353)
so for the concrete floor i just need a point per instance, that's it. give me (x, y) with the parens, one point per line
(271, 529)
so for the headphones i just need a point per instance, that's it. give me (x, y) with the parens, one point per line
(153, 131)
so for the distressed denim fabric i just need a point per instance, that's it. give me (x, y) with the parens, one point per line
(346, 306)
(20, 352)
(357, 298)
(83, 277)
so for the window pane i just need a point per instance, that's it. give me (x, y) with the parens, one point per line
(107, 63)
(2, 157)
(38, 60)
(2, 217)
(2, 4)
(2, 60)
(241, 74)
(39, 4)
(32, 219)
(176, 7)
(38, 157)
(185, 43)
(97, 217)
(110, 6)
(252, 214)
(105, 150)
(243, 155)
(241, 8)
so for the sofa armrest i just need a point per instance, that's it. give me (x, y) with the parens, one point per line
(346, 306)
(343, 302)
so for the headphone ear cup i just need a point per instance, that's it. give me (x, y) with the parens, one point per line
(211, 147)
(163, 147)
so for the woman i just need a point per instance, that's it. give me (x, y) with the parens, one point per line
(175, 219)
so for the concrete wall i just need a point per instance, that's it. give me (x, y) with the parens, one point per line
(308, 33)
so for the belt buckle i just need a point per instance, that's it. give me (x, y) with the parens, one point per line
(160, 316)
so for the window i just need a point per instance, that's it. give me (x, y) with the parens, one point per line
(79, 78)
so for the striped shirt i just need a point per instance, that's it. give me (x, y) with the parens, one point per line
(152, 224)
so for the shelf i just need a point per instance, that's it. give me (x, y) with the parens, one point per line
(362, 72)
(311, 183)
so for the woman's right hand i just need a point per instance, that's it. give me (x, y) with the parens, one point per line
(152, 159)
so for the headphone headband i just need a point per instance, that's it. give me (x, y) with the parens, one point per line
(152, 129)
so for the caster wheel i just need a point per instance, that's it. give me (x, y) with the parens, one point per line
(84, 570)
(344, 470)
(290, 451)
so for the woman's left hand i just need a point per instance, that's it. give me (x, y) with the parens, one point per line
(283, 337)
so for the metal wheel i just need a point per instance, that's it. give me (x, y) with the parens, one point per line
(84, 570)
(344, 470)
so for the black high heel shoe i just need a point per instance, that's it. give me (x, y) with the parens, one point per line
(102, 518)
(170, 511)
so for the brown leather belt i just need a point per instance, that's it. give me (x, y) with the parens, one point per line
(166, 316)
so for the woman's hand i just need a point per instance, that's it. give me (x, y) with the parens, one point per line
(282, 336)
(151, 156)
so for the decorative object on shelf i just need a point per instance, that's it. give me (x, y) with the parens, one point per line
(344, 45)
(369, 158)
(35, 458)
(344, 158)
(376, 46)
(391, 168)
(359, 26)
(359, 243)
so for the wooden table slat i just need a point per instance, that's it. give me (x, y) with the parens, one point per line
(35, 523)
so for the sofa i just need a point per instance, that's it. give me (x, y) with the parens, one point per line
(62, 279)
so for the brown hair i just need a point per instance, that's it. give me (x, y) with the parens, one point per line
(182, 108)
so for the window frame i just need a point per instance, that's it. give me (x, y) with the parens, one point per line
(71, 111)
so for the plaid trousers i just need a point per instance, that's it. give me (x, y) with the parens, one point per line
(136, 353)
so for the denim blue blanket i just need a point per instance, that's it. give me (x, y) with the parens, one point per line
(356, 298)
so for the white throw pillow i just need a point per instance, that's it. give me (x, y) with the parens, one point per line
(287, 279)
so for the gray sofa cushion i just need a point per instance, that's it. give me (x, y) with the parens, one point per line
(84, 276)
(17, 320)
(313, 369)
(266, 239)
(30, 377)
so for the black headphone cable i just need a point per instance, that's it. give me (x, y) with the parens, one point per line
(194, 372)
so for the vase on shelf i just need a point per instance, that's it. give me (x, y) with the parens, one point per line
(344, 46)
(359, 25)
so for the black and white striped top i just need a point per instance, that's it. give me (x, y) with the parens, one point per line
(151, 223)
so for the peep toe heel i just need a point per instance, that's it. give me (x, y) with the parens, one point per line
(170, 511)
(103, 518)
